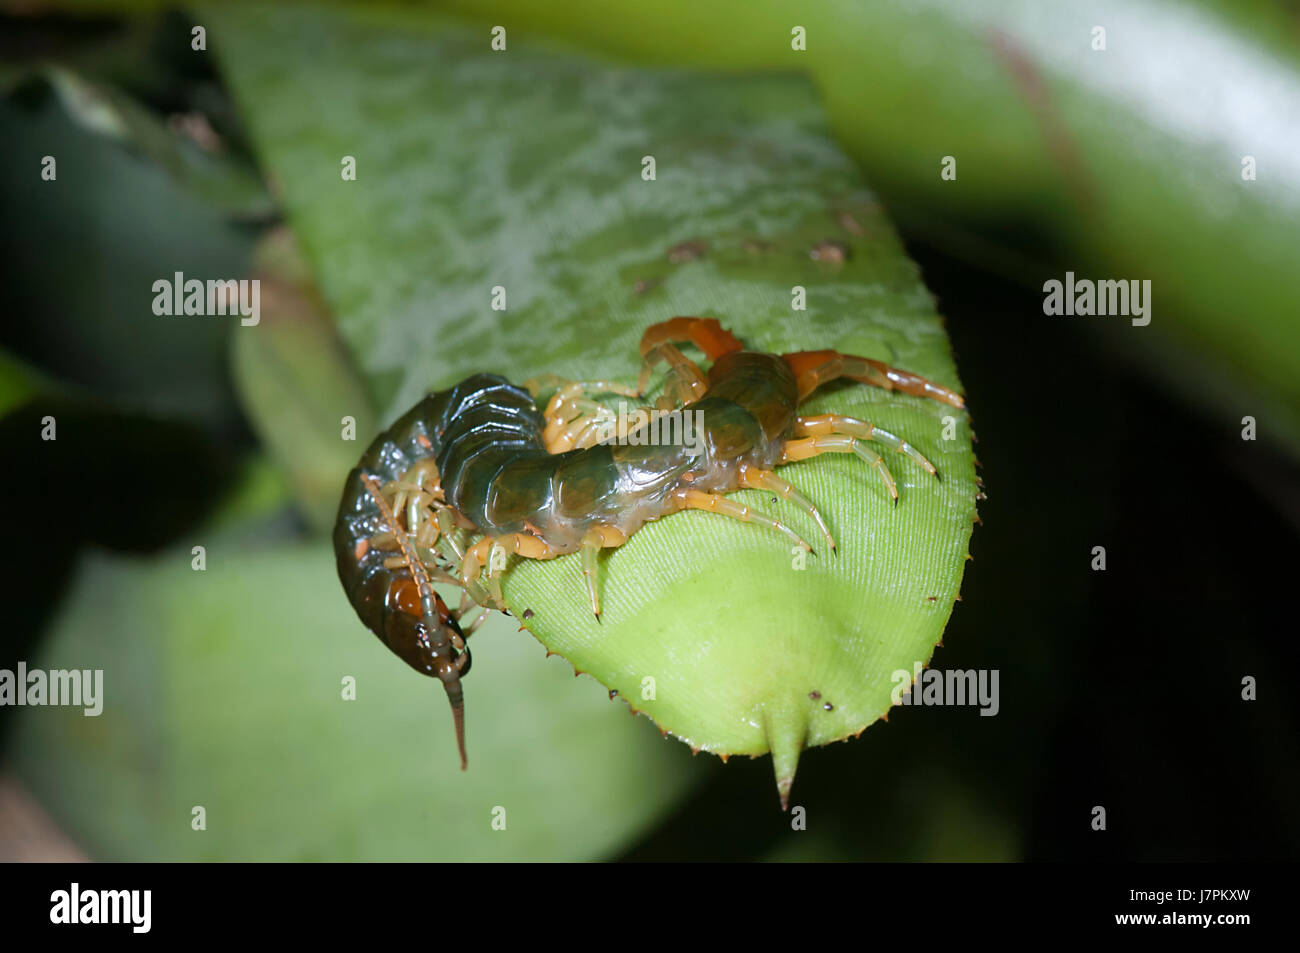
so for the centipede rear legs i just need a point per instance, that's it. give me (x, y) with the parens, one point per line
(836, 433)
(815, 368)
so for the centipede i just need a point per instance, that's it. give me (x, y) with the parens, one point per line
(484, 471)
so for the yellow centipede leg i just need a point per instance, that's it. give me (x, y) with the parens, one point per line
(756, 479)
(807, 447)
(471, 565)
(575, 420)
(824, 424)
(491, 553)
(595, 539)
(687, 499)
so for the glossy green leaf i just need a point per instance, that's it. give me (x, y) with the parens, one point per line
(224, 689)
(1122, 163)
(523, 169)
(296, 382)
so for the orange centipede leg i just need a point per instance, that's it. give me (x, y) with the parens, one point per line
(685, 382)
(814, 368)
(705, 333)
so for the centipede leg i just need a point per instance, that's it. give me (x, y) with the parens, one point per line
(447, 531)
(480, 555)
(496, 565)
(574, 420)
(584, 431)
(705, 333)
(463, 610)
(457, 556)
(685, 381)
(687, 499)
(824, 424)
(806, 447)
(566, 432)
(756, 479)
(595, 539)
(814, 368)
(483, 612)
(562, 385)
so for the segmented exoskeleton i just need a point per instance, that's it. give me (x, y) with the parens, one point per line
(473, 474)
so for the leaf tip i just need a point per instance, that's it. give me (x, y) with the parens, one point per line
(786, 728)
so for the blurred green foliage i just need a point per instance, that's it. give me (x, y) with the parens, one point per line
(224, 689)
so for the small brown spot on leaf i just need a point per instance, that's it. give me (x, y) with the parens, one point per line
(687, 251)
(836, 253)
(829, 707)
(814, 695)
(528, 613)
